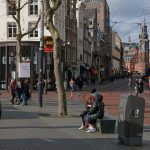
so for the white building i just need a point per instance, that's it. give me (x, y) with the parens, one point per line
(30, 43)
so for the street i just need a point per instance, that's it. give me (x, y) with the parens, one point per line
(33, 128)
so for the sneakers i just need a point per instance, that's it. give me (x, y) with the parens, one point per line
(91, 130)
(82, 127)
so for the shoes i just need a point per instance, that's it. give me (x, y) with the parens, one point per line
(82, 127)
(22, 104)
(91, 130)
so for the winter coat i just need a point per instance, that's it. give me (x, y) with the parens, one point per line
(98, 107)
(140, 87)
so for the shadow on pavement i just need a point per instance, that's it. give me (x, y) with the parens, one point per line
(10, 112)
(67, 144)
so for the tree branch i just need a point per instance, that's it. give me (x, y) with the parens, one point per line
(56, 3)
(26, 3)
(36, 25)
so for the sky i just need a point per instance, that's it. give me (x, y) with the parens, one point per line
(125, 16)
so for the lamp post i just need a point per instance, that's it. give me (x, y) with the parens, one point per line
(40, 67)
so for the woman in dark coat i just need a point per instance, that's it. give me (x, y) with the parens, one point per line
(88, 106)
(96, 112)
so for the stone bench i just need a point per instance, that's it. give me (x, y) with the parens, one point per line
(106, 125)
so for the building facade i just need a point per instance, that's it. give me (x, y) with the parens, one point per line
(103, 21)
(143, 53)
(30, 42)
(71, 40)
(130, 52)
(116, 54)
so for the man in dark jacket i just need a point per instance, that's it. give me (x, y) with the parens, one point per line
(96, 112)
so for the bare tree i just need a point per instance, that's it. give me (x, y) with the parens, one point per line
(16, 8)
(50, 6)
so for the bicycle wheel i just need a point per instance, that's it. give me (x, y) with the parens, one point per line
(83, 97)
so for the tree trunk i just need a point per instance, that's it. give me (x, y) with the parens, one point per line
(18, 58)
(62, 104)
(49, 14)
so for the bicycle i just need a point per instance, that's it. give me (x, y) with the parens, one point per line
(83, 97)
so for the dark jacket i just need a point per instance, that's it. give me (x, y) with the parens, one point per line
(98, 107)
(140, 87)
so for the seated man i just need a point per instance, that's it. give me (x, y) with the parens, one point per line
(88, 106)
(96, 112)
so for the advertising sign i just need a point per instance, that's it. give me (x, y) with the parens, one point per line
(48, 44)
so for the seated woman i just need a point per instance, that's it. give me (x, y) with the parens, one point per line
(88, 106)
(96, 112)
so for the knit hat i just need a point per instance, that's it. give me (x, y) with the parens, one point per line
(93, 90)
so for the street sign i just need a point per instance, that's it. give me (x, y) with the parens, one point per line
(48, 44)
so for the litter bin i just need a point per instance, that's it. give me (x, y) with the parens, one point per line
(130, 121)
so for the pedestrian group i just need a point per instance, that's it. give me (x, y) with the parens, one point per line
(20, 92)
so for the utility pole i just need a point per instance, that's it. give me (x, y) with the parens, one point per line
(41, 48)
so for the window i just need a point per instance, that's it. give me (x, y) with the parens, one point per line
(33, 8)
(90, 23)
(33, 33)
(12, 29)
(10, 10)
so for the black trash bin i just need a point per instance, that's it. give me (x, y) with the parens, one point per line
(130, 121)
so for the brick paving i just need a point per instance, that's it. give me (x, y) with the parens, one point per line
(33, 128)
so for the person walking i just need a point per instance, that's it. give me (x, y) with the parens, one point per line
(65, 84)
(26, 92)
(12, 90)
(19, 91)
(140, 86)
(136, 84)
(130, 84)
(72, 84)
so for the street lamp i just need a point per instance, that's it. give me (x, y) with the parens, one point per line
(40, 67)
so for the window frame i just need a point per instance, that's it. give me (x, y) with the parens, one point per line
(12, 27)
(34, 9)
(33, 33)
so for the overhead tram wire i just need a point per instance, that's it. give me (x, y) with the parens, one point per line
(131, 18)
(130, 31)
